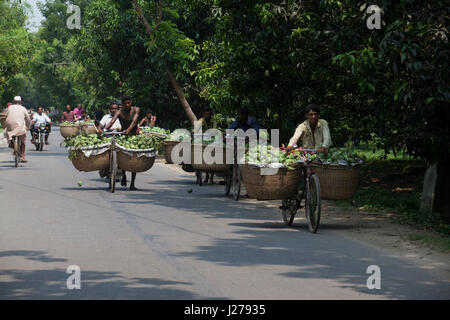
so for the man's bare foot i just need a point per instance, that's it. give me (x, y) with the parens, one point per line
(23, 160)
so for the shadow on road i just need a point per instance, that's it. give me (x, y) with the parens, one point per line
(270, 243)
(52, 283)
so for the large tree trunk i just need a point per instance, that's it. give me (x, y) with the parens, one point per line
(436, 190)
(173, 80)
(441, 203)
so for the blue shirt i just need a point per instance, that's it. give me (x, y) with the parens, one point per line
(251, 124)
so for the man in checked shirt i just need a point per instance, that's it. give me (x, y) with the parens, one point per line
(313, 132)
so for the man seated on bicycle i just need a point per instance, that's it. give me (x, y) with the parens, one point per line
(40, 118)
(106, 119)
(128, 116)
(313, 132)
(17, 124)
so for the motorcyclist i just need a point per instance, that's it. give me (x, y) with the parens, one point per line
(38, 119)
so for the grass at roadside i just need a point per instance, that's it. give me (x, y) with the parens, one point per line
(393, 184)
(435, 242)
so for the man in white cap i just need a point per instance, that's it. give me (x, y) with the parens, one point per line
(17, 124)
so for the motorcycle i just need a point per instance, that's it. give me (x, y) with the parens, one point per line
(39, 136)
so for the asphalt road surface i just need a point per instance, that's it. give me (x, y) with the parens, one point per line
(162, 242)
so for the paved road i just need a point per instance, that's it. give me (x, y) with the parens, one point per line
(163, 243)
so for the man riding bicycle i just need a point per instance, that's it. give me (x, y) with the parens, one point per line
(17, 124)
(313, 132)
(40, 118)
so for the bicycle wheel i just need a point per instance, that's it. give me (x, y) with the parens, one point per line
(16, 152)
(313, 203)
(112, 171)
(288, 210)
(236, 182)
(227, 184)
(199, 176)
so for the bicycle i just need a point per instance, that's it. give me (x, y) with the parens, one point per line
(17, 142)
(311, 194)
(233, 181)
(113, 161)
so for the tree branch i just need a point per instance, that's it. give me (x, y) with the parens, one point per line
(141, 16)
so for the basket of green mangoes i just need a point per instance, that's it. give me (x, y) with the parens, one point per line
(136, 153)
(338, 173)
(68, 129)
(89, 152)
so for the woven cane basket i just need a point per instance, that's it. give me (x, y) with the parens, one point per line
(3, 120)
(67, 131)
(91, 163)
(214, 167)
(89, 129)
(337, 182)
(167, 149)
(134, 162)
(282, 185)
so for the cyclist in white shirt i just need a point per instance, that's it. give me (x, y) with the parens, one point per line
(41, 118)
(113, 108)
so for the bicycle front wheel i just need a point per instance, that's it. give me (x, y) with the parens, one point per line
(313, 203)
(112, 172)
(236, 182)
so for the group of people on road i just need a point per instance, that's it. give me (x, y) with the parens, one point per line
(124, 118)
(314, 133)
(77, 114)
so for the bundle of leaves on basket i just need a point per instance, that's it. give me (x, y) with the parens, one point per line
(179, 135)
(154, 129)
(68, 123)
(140, 142)
(77, 142)
(341, 156)
(269, 156)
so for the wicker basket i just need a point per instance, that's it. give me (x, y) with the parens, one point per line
(131, 160)
(91, 163)
(3, 120)
(282, 185)
(168, 147)
(89, 129)
(337, 182)
(213, 168)
(67, 131)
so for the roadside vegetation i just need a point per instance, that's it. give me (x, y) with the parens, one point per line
(393, 184)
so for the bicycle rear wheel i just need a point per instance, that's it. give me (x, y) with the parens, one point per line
(313, 203)
(227, 184)
(16, 151)
(236, 182)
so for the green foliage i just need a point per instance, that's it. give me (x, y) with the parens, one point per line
(15, 49)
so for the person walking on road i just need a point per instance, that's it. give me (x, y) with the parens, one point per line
(18, 123)
(128, 116)
(68, 115)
